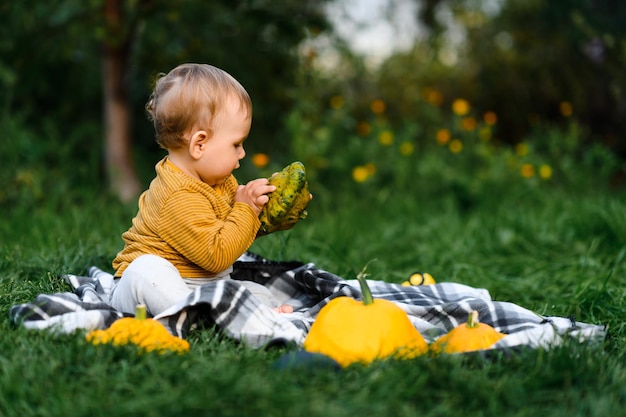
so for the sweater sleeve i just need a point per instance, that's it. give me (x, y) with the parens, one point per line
(210, 238)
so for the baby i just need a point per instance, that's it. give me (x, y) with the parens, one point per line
(195, 220)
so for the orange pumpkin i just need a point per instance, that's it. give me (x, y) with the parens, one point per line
(467, 337)
(352, 331)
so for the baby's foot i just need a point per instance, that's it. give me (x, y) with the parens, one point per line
(285, 308)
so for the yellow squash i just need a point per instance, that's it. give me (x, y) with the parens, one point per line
(467, 337)
(148, 334)
(352, 331)
(419, 278)
(288, 203)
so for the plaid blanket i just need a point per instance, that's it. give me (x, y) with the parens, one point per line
(227, 304)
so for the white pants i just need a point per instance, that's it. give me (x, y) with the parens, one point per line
(155, 282)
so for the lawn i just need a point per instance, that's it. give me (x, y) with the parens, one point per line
(553, 244)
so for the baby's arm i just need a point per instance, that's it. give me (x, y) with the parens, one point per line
(201, 230)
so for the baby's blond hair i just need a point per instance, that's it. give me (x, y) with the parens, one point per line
(189, 97)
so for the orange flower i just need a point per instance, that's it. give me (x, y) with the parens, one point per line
(377, 106)
(468, 123)
(566, 108)
(527, 170)
(363, 128)
(443, 136)
(260, 160)
(433, 96)
(490, 118)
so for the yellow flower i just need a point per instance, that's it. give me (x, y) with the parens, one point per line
(527, 170)
(336, 102)
(407, 148)
(443, 136)
(455, 146)
(260, 160)
(377, 106)
(360, 173)
(468, 123)
(490, 118)
(460, 107)
(521, 149)
(385, 138)
(370, 168)
(566, 108)
(363, 128)
(545, 171)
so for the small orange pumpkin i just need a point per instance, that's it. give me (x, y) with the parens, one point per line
(147, 334)
(352, 331)
(467, 337)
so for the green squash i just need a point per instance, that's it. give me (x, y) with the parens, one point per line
(287, 204)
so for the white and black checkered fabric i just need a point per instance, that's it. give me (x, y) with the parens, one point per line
(433, 309)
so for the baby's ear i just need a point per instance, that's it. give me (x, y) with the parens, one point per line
(197, 143)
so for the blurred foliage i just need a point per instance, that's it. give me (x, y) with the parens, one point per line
(43, 166)
(254, 40)
(522, 94)
(521, 86)
(50, 75)
(444, 153)
(531, 62)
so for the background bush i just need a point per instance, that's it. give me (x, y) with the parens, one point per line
(532, 66)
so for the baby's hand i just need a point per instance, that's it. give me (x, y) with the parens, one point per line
(255, 193)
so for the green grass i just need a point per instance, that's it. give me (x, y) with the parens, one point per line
(553, 248)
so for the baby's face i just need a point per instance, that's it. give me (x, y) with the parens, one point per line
(224, 149)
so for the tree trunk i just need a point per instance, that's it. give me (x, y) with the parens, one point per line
(119, 165)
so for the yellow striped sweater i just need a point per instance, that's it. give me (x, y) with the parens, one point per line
(197, 227)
